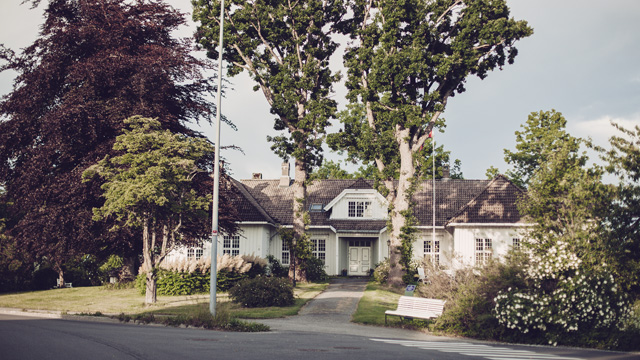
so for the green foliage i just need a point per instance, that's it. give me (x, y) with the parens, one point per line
(275, 268)
(314, 268)
(152, 178)
(543, 134)
(381, 271)
(263, 291)
(622, 224)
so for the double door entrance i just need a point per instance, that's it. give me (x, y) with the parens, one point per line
(359, 257)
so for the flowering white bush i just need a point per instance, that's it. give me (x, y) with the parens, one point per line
(562, 297)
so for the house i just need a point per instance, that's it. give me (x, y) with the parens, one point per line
(475, 220)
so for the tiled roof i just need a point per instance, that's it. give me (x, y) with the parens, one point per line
(460, 201)
(497, 203)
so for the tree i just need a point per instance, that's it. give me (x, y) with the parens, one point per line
(330, 170)
(623, 219)
(150, 186)
(408, 59)
(543, 133)
(569, 267)
(285, 47)
(95, 63)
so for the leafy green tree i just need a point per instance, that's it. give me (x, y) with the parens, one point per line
(569, 268)
(151, 186)
(544, 132)
(330, 170)
(407, 60)
(623, 219)
(285, 48)
(94, 64)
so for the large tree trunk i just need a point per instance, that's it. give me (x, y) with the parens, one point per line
(150, 296)
(58, 269)
(399, 200)
(299, 196)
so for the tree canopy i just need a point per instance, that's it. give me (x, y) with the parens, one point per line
(150, 186)
(407, 59)
(285, 48)
(94, 63)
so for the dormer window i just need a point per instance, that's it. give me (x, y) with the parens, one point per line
(359, 209)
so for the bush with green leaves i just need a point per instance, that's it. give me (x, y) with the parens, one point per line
(381, 272)
(275, 268)
(314, 269)
(263, 291)
(563, 300)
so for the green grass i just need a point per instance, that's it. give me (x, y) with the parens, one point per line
(98, 299)
(375, 301)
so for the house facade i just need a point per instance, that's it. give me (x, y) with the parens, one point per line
(475, 220)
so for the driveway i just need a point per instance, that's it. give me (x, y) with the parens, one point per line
(331, 312)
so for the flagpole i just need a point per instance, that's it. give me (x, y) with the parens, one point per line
(433, 178)
(216, 181)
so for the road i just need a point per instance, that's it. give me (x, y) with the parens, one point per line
(35, 338)
(321, 331)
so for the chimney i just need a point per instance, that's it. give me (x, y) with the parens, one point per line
(445, 172)
(285, 179)
(256, 176)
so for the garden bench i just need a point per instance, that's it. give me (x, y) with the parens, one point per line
(416, 308)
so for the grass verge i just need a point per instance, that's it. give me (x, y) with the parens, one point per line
(375, 301)
(186, 310)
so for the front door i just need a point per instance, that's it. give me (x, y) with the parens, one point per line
(359, 257)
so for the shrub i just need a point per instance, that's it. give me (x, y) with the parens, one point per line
(314, 269)
(381, 272)
(276, 269)
(263, 291)
(564, 301)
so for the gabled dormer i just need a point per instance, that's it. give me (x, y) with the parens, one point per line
(358, 204)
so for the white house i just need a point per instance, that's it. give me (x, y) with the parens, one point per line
(474, 220)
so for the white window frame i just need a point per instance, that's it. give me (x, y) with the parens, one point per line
(432, 251)
(231, 245)
(515, 243)
(357, 208)
(483, 250)
(285, 253)
(319, 249)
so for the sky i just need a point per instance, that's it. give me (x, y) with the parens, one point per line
(582, 60)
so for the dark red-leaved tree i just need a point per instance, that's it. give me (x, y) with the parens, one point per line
(94, 64)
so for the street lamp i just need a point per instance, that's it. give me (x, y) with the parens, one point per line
(216, 180)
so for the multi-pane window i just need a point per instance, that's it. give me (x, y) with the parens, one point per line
(285, 253)
(484, 251)
(231, 245)
(359, 209)
(516, 243)
(194, 253)
(432, 251)
(319, 248)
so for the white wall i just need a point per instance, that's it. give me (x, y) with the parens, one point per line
(465, 242)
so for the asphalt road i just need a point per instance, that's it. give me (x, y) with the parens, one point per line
(321, 331)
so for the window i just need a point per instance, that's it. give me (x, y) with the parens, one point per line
(315, 208)
(194, 253)
(191, 253)
(285, 253)
(231, 245)
(516, 243)
(359, 209)
(483, 251)
(319, 248)
(432, 251)
(360, 243)
(199, 253)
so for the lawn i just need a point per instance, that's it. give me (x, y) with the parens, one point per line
(90, 300)
(375, 301)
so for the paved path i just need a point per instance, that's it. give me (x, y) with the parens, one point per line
(331, 311)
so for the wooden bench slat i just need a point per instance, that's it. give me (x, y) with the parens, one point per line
(420, 308)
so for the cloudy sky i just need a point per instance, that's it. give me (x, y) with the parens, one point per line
(582, 60)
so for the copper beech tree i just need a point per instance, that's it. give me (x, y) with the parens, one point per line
(94, 64)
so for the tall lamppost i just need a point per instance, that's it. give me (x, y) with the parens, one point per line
(216, 180)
